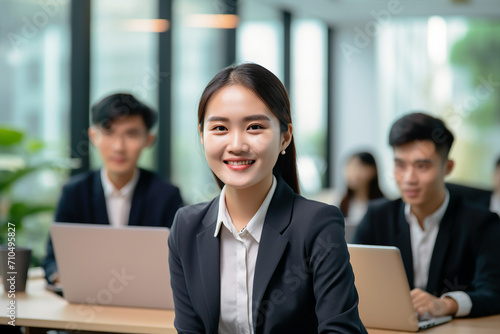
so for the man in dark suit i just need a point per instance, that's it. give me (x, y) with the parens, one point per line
(449, 247)
(119, 193)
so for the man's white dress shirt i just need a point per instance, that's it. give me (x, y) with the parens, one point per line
(495, 203)
(422, 247)
(118, 202)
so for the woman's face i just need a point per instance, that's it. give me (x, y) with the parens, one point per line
(242, 138)
(358, 175)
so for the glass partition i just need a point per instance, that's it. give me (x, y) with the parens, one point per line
(308, 97)
(34, 98)
(124, 55)
(198, 50)
(448, 67)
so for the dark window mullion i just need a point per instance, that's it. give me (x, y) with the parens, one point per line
(164, 147)
(329, 154)
(287, 26)
(80, 83)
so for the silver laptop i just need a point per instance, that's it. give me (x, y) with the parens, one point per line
(106, 265)
(384, 293)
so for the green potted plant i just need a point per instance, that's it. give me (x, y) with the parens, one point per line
(19, 159)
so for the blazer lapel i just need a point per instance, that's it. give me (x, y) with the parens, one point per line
(99, 201)
(403, 242)
(139, 200)
(272, 243)
(441, 247)
(209, 261)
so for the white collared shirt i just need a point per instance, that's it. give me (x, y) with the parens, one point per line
(238, 256)
(357, 210)
(118, 202)
(495, 203)
(422, 247)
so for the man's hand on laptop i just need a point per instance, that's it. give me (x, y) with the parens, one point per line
(426, 304)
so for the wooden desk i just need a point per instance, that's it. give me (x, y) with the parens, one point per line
(486, 325)
(41, 308)
(38, 307)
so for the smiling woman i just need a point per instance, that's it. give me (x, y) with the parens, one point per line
(240, 90)
(242, 139)
(259, 258)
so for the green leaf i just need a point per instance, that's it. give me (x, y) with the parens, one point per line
(9, 137)
(477, 52)
(34, 145)
(19, 210)
(10, 178)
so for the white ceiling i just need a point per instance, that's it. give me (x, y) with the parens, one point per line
(339, 12)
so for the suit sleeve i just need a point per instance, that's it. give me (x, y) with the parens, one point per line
(63, 214)
(186, 320)
(333, 278)
(485, 288)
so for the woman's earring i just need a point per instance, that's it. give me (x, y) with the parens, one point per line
(283, 152)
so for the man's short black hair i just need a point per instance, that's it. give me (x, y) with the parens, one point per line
(498, 163)
(121, 105)
(420, 126)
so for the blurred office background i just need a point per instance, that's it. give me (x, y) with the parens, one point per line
(351, 68)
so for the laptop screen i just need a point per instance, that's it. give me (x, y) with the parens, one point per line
(384, 292)
(106, 265)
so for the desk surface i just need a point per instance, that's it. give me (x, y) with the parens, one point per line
(41, 308)
(38, 307)
(486, 325)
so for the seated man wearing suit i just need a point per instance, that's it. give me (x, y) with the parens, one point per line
(119, 193)
(449, 247)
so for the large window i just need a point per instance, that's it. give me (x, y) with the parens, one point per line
(309, 101)
(124, 58)
(260, 36)
(197, 53)
(34, 95)
(260, 40)
(448, 67)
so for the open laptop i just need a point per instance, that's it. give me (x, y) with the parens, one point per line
(384, 293)
(106, 265)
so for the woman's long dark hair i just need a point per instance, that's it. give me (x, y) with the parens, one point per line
(272, 92)
(374, 191)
